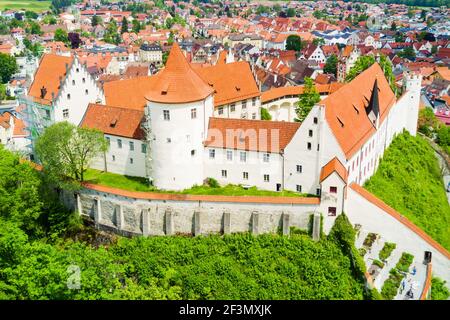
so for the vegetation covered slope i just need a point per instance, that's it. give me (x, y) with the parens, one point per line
(41, 257)
(409, 180)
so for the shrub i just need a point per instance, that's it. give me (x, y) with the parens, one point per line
(390, 286)
(362, 251)
(212, 183)
(405, 262)
(387, 250)
(378, 263)
(369, 240)
(439, 290)
(265, 115)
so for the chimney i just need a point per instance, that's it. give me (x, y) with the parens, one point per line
(43, 92)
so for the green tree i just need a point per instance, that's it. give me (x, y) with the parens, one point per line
(427, 122)
(331, 65)
(294, 42)
(265, 115)
(439, 290)
(31, 15)
(393, 26)
(8, 66)
(49, 19)
(307, 100)
(66, 151)
(318, 41)
(111, 34)
(96, 20)
(124, 25)
(34, 28)
(2, 92)
(407, 53)
(136, 26)
(61, 35)
(290, 12)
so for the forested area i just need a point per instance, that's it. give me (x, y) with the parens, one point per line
(46, 253)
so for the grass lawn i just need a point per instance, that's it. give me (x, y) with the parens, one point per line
(30, 5)
(140, 184)
(409, 180)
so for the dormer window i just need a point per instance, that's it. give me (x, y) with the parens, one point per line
(356, 109)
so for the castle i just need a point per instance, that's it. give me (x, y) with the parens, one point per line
(188, 123)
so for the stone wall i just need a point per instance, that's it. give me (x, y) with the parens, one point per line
(151, 217)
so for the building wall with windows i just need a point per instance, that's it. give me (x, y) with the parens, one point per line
(178, 132)
(253, 168)
(125, 156)
(78, 89)
(244, 109)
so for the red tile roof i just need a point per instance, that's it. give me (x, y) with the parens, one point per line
(177, 82)
(51, 68)
(334, 165)
(280, 92)
(128, 93)
(250, 135)
(114, 121)
(345, 109)
(231, 81)
(208, 198)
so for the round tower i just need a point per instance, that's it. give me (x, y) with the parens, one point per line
(178, 110)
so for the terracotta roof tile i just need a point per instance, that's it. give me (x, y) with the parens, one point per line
(210, 198)
(231, 81)
(114, 121)
(250, 135)
(129, 93)
(280, 92)
(177, 82)
(334, 165)
(51, 68)
(345, 109)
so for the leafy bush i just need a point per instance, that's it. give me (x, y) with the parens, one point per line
(362, 251)
(409, 180)
(369, 240)
(387, 250)
(405, 262)
(211, 182)
(391, 285)
(265, 115)
(439, 290)
(378, 263)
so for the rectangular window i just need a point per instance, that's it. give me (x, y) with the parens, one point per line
(119, 143)
(131, 146)
(253, 116)
(113, 158)
(333, 189)
(309, 145)
(224, 173)
(232, 107)
(192, 153)
(243, 156)
(318, 147)
(266, 157)
(212, 153)
(194, 113)
(220, 110)
(166, 115)
(266, 178)
(169, 140)
(332, 211)
(108, 140)
(299, 168)
(143, 148)
(318, 192)
(253, 102)
(131, 160)
(310, 133)
(299, 188)
(245, 175)
(244, 104)
(229, 155)
(65, 113)
(315, 120)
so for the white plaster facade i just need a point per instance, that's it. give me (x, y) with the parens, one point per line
(243, 109)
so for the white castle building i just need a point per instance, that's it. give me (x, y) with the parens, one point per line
(186, 124)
